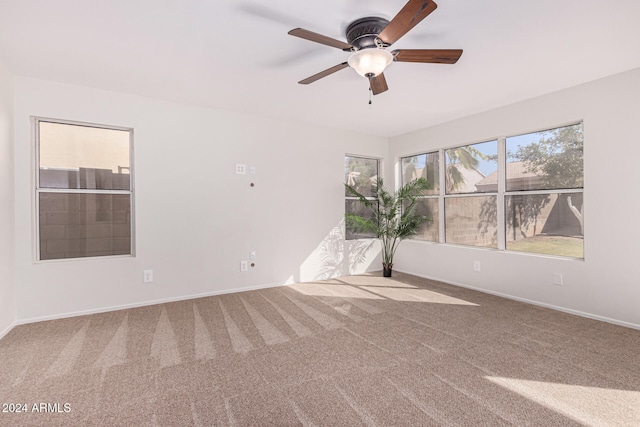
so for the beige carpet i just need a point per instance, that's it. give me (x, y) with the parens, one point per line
(359, 350)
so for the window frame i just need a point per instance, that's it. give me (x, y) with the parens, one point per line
(433, 196)
(504, 193)
(353, 198)
(446, 195)
(38, 190)
(501, 194)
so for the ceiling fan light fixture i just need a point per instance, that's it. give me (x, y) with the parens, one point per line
(370, 62)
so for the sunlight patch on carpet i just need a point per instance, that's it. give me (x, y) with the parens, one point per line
(417, 295)
(590, 406)
(339, 290)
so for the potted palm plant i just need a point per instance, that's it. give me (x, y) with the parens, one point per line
(392, 217)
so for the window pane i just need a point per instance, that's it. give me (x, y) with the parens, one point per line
(73, 156)
(545, 224)
(429, 230)
(550, 159)
(471, 221)
(422, 166)
(361, 173)
(76, 225)
(357, 208)
(472, 168)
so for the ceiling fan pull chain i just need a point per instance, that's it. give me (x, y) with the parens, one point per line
(370, 96)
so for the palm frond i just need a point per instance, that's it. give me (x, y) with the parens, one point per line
(360, 224)
(392, 216)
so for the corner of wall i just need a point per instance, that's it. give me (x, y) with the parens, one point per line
(8, 303)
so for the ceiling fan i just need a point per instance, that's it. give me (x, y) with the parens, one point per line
(368, 39)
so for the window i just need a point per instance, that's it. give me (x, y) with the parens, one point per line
(84, 189)
(470, 201)
(520, 193)
(362, 174)
(544, 186)
(425, 166)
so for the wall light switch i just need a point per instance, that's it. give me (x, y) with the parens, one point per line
(252, 255)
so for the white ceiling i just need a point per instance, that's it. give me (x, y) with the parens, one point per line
(237, 55)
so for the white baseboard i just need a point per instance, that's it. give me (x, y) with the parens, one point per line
(532, 302)
(8, 329)
(141, 304)
(272, 285)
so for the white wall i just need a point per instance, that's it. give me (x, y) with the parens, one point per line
(7, 265)
(606, 284)
(195, 218)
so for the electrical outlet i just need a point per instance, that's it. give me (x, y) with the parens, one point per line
(557, 279)
(476, 266)
(147, 276)
(241, 169)
(244, 266)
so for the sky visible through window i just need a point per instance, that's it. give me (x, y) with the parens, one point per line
(490, 149)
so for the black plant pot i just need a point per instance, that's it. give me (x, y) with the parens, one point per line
(386, 271)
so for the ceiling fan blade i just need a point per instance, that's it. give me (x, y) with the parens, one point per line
(437, 56)
(378, 84)
(319, 38)
(324, 73)
(409, 16)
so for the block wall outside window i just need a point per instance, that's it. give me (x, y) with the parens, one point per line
(84, 190)
(521, 193)
(471, 221)
(84, 225)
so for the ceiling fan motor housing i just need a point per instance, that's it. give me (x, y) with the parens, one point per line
(362, 33)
